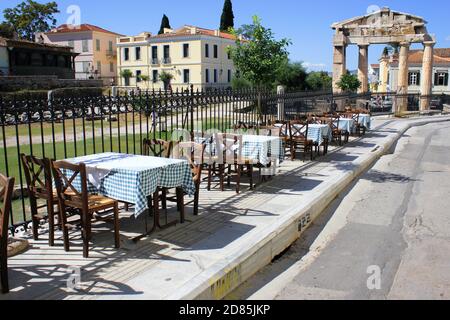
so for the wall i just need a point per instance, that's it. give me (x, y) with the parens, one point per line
(10, 84)
(4, 61)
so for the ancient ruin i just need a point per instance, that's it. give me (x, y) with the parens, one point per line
(384, 27)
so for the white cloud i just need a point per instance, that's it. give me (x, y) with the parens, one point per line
(314, 66)
(448, 38)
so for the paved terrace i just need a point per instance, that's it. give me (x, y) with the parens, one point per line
(209, 255)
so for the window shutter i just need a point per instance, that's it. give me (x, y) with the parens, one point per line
(436, 79)
(418, 78)
(409, 79)
(446, 79)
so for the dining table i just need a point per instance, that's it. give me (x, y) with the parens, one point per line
(134, 179)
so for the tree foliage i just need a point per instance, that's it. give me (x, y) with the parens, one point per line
(319, 81)
(349, 83)
(259, 59)
(126, 73)
(165, 23)
(30, 17)
(227, 18)
(292, 75)
(6, 30)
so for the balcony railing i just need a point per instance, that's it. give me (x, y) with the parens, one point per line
(111, 53)
(155, 61)
(166, 60)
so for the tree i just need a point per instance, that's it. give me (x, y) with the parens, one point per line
(30, 17)
(292, 75)
(165, 23)
(227, 18)
(349, 83)
(166, 78)
(319, 81)
(6, 30)
(259, 59)
(145, 78)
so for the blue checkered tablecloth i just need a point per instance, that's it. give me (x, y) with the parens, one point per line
(346, 125)
(319, 132)
(132, 178)
(365, 120)
(260, 149)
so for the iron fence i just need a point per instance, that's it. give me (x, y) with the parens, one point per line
(72, 126)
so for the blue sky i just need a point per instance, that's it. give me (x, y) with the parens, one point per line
(306, 23)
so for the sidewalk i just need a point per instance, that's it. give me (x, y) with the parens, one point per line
(210, 255)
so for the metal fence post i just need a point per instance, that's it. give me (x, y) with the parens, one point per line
(280, 105)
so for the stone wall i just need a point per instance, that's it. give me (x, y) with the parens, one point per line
(11, 84)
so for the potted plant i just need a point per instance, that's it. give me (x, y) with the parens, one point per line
(166, 78)
(126, 74)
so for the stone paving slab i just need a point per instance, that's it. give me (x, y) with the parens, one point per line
(207, 257)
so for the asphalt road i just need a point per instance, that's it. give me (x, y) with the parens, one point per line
(388, 237)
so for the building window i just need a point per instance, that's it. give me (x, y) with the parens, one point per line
(206, 50)
(229, 76)
(126, 54)
(154, 54)
(207, 75)
(228, 54)
(216, 51)
(110, 46)
(138, 76)
(166, 55)
(85, 45)
(215, 75)
(138, 53)
(99, 67)
(186, 50)
(111, 67)
(71, 43)
(186, 75)
(414, 78)
(86, 67)
(97, 44)
(441, 78)
(155, 76)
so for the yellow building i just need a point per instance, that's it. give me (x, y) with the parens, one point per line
(192, 55)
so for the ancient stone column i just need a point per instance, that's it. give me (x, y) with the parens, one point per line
(426, 84)
(402, 89)
(363, 68)
(339, 66)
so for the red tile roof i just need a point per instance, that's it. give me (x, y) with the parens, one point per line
(186, 31)
(441, 55)
(64, 28)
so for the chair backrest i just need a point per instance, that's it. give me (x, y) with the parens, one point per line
(157, 148)
(298, 129)
(284, 128)
(38, 176)
(334, 122)
(65, 175)
(193, 152)
(244, 126)
(228, 146)
(6, 191)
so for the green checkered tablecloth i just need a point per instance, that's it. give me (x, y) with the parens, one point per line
(261, 149)
(132, 178)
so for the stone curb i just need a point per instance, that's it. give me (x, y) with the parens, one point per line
(223, 277)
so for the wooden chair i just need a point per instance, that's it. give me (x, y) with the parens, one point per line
(156, 148)
(229, 152)
(284, 134)
(85, 204)
(38, 175)
(336, 131)
(299, 136)
(192, 152)
(6, 190)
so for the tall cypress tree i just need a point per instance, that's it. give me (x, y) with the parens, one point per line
(164, 24)
(227, 19)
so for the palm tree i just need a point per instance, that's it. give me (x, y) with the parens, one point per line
(145, 78)
(166, 78)
(126, 74)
